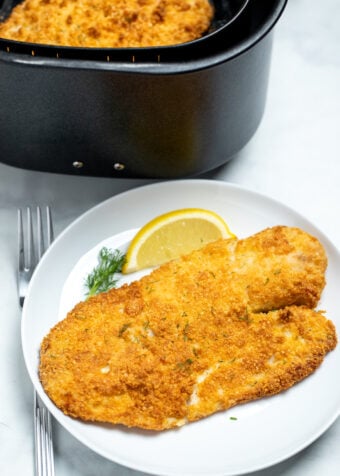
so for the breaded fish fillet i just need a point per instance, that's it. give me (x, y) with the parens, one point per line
(226, 324)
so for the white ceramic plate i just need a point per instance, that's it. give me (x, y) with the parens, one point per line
(266, 431)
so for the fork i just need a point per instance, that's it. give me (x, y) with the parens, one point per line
(30, 252)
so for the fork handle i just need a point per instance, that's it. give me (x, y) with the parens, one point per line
(44, 455)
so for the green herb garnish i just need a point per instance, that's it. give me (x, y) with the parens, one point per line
(184, 365)
(123, 329)
(103, 276)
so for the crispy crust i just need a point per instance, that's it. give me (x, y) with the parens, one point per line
(104, 23)
(196, 336)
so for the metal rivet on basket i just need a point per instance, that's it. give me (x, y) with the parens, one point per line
(77, 164)
(118, 166)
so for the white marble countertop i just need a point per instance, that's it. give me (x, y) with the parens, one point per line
(293, 157)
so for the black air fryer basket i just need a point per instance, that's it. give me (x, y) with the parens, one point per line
(167, 112)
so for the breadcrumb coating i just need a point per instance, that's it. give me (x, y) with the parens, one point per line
(108, 23)
(226, 324)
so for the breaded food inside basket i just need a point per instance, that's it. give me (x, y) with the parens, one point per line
(226, 324)
(108, 23)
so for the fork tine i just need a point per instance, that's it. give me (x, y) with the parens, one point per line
(40, 235)
(30, 255)
(21, 260)
(49, 224)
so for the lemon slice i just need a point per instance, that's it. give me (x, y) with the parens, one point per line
(173, 234)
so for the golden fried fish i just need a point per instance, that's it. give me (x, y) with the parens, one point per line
(107, 23)
(229, 323)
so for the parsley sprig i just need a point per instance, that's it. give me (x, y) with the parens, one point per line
(103, 276)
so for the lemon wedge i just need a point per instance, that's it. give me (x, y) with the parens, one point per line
(173, 234)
